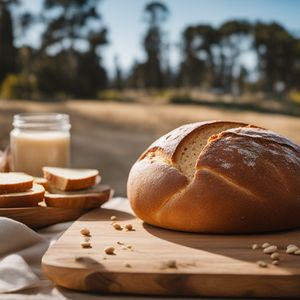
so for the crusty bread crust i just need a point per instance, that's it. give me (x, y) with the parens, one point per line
(246, 179)
(25, 199)
(70, 184)
(14, 182)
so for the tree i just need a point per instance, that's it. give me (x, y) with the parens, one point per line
(211, 55)
(8, 53)
(74, 34)
(233, 35)
(198, 65)
(118, 78)
(276, 52)
(156, 14)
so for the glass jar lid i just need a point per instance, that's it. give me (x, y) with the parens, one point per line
(42, 121)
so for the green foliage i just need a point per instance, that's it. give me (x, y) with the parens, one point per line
(18, 87)
(150, 74)
(111, 94)
(294, 96)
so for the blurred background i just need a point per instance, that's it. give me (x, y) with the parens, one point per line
(129, 71)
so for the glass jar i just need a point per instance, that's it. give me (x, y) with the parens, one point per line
(38, 140)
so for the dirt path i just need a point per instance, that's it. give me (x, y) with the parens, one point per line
(110, 136)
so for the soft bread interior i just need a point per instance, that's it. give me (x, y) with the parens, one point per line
(190, 148)
(71, 173)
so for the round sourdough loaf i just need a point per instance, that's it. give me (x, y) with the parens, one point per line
(218, 177)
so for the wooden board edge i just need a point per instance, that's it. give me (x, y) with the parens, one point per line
(166, 284)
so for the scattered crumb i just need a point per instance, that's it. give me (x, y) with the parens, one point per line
(291, 249)
(271, 249)
(113, 218)
(117, 226)
(291, 245)
(275, 262)
(120, 243)
(275, 256)
(109, 250)
(85, 244)
(265, 245)
(255, 246)
(262, 264)
(128, 265)
(85, 231)
(129, 227)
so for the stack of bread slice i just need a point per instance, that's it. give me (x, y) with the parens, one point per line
(74, 188)
(19, 190)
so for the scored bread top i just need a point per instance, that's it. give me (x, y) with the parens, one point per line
(14, 182)
(71, 179)
(182, 146)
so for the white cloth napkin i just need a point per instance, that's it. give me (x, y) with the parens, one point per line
(21, 251)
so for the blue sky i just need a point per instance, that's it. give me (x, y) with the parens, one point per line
(124, 19)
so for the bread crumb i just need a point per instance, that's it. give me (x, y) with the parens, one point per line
(262, 264)
(291, 249)
(271, 249)
(129, 227)
(255, 246)
(128, 265)
(85, 244)
(117, 226)
(109, 250)
(275, 256)
(120, 243)
(265, 245)
(113, 218)
(85, 231)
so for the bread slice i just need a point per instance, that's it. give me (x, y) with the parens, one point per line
(24, 199)
(90, 198)
(13, 182)
(70, 179)
(42, 181)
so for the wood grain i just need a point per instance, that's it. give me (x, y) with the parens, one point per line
(206, 265)
(38, 217)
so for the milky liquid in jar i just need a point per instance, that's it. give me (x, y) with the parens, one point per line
(38, 140)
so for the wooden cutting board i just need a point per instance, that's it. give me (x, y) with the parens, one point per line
(206, 265)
